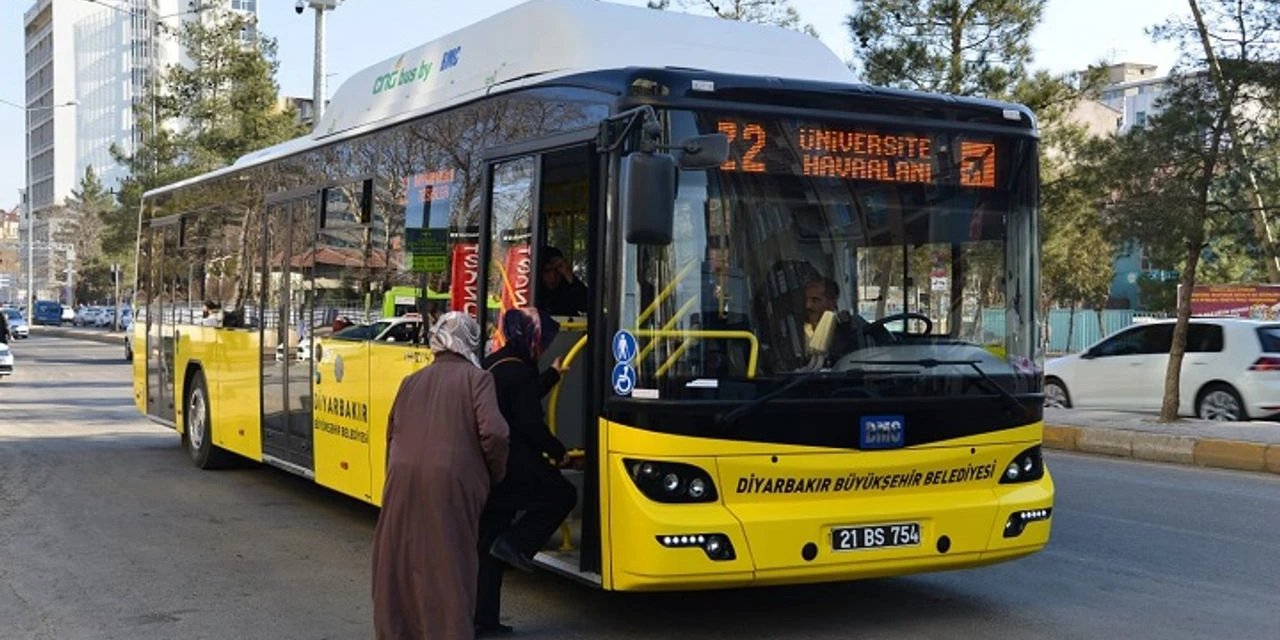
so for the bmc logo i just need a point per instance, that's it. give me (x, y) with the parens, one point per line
(450, 58)
(881, 432)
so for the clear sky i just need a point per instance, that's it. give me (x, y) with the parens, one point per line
(363, 32)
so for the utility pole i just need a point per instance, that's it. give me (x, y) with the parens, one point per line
(318, 91)
(115, 320)
(70, 271)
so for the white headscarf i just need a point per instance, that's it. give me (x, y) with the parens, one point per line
(456, 332)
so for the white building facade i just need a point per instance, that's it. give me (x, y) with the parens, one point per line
(1135, 91)
(101, 56)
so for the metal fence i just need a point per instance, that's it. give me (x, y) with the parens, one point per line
(1086, 329)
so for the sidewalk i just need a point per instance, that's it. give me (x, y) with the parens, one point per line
(1247, 446)
(95, 335)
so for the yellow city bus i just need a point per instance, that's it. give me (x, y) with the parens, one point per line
(810, 352)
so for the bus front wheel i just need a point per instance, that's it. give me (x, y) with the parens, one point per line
(197, 435)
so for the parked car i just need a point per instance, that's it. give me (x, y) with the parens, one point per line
(17, 324)
(47, 312)
(6, 360)
(68, 314)
(1231, 370)
(85, 316)
(403, 329)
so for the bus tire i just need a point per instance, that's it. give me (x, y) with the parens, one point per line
(197, 432)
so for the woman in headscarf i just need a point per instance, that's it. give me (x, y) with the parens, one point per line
(446, 447)
(533, 483)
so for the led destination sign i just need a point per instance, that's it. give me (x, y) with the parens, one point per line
(858, 154)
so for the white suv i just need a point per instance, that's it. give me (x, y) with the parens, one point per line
(1231, 370)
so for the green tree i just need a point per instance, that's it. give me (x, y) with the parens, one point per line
(779, 13)
(960, 47)
(1077, 264)
(1234, 42)
(1172, 191)
(203, 116)
(88, 206)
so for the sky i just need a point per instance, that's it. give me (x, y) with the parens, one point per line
(360, 33)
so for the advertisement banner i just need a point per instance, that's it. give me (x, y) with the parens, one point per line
(517, 277)
(464, 279)
(1256, 301)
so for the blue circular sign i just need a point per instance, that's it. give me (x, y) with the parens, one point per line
(624, 346)
(623, 379)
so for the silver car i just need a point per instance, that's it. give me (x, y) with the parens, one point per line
(17, 324)
(6, 360)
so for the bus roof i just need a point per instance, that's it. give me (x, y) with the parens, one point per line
(542, 40)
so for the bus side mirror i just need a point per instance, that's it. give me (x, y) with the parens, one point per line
(703, 152)
(648, 188)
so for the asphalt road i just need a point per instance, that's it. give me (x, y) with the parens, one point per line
(106, 531)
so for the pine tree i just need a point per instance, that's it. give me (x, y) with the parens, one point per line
(960, 47)
(778, 13)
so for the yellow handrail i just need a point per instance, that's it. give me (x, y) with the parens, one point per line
(699, 334)
(566, 536)
(665, 293)
(652, 344)
(554, 402)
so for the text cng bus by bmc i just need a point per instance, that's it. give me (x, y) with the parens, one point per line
(810, 350)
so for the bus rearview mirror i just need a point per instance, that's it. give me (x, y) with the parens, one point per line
(648, 189)
(703, 152)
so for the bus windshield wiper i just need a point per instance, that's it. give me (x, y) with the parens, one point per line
(928, 363)
(801, 379)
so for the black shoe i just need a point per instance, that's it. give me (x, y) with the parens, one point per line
(493, 630)
(504, 551)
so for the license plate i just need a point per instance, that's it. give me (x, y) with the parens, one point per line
(880, 536)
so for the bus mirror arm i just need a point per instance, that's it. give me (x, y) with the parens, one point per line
(703, 152)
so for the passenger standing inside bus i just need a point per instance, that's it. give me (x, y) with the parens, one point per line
(561, 293)
(447, 446)
(533, 484)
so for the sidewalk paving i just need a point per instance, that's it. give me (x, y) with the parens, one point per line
(1247, 446)
(83, 333)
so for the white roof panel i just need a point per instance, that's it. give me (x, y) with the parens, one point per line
(543, 39)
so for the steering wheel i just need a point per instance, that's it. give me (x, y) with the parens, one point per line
(910, 315)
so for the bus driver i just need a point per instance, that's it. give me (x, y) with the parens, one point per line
(851, 333)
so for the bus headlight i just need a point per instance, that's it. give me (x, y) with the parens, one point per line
(1025, 467)
(672, 482)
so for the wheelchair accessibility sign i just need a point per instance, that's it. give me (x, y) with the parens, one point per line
(624, 378)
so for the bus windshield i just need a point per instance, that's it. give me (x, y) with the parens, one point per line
(920, 242)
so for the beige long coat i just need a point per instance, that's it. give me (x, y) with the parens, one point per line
(446, 445)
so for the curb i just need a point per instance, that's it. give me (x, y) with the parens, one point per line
(1159, 447)
(56, 332)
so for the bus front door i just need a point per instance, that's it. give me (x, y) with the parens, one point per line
(540, 204)
(160, 320)
(286, 330)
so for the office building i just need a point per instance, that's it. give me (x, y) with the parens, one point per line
(102, 56)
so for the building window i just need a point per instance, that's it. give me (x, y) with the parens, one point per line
(1140, 119)
(245, 5)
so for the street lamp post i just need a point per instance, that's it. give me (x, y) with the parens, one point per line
(318, 91)
(31, 205)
